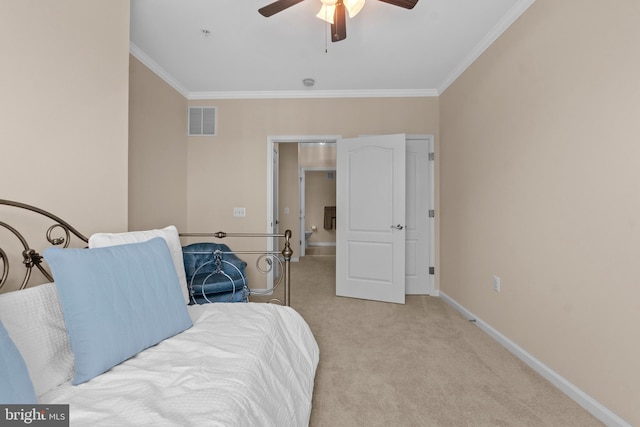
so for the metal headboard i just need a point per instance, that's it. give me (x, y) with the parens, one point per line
(266, 261)
(65, 233)
(30, 257)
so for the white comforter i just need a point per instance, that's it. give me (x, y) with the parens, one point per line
(239, 365)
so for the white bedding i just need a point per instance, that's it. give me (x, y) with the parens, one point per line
(239, 365)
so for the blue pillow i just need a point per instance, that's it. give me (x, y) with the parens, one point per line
(116, 301)
(15, 383)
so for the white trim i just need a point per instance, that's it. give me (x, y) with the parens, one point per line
(302, 138)
(156, 68)
(174, 83)
(430, 138)
(587, 402)
(381, 93)
(270, 219)
(518, 9)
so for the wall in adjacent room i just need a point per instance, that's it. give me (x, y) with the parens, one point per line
(320, 192)
(539, 185)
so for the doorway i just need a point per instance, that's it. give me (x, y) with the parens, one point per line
(423, 260)
(281, 213)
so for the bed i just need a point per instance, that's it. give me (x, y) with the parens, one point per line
(113, 337)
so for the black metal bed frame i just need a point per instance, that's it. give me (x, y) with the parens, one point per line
(65, 232)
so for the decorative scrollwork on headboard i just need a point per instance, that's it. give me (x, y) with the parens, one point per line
(30, 257)
(266, 261)
(61, 234)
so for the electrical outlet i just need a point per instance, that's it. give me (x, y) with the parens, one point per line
(496, 283)
(239, 212)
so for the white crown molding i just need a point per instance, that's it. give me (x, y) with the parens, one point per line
(161, 72)
(174, 83)
(518, 9)
(596, 408)
(385, 93)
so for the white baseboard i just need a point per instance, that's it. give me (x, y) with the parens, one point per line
(587, 402)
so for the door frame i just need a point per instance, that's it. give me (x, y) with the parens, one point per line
(430, 139)
(431, 171)
(272, 139)
(280, 139)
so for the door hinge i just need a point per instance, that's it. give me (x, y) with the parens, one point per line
(432, 270)
(432, 156)
(432, 213)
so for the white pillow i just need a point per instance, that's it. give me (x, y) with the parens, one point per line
(170, 234)
(33, 319)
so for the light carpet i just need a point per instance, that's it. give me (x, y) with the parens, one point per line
(418, 364)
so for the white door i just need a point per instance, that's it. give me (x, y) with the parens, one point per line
(370, 217)
(419, 195)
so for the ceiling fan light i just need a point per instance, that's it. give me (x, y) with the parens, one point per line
(353, 6)
(326, 12)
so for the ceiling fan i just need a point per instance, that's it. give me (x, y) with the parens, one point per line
(333, 11)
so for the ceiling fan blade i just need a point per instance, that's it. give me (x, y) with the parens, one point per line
(277, 6)
(339, 26)
(407, 4)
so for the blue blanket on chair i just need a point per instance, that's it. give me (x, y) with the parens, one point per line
(214, 273)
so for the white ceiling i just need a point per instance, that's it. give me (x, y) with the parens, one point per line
(389, 51)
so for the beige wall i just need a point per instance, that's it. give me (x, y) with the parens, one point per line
(539, 184)
(157, 152)
(63, 103)
(230, 169)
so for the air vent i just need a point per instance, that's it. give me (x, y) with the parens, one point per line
(202, 121)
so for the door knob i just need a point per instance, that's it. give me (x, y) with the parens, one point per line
(397, 227)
